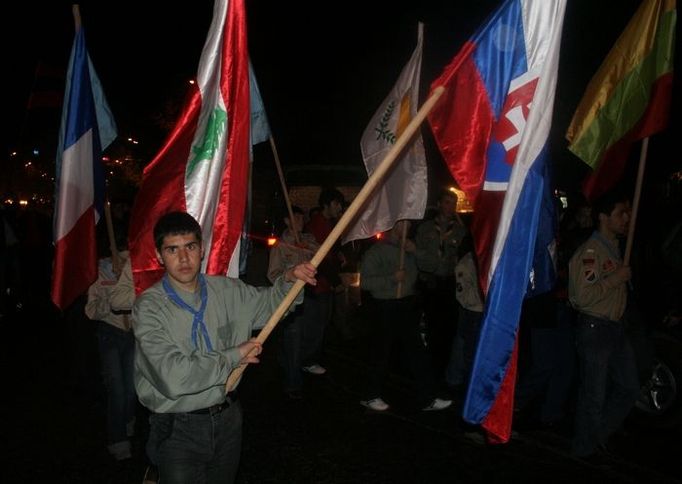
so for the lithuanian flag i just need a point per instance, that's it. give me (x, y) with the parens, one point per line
(629, 97)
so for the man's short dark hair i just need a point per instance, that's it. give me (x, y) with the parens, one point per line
(328, 195)
(607, 202)
(284, 213)
(175, 223)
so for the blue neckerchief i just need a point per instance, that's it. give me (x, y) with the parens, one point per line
(198, 321)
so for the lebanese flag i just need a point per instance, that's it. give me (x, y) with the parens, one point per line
(492, 128)
(203, 167)
(87, 128)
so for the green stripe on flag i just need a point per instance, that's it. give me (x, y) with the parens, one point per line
(209, 143)
(629, 99)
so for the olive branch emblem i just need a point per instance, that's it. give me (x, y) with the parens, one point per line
(383, 132)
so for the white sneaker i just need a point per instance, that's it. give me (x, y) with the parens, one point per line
(314, 369)
(376, 404)
(437, 404)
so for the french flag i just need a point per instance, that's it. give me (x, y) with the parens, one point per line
(87, 128)
(492, 128)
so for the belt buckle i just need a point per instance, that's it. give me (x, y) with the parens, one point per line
(219, 407)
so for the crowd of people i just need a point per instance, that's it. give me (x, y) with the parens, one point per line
(173, 347)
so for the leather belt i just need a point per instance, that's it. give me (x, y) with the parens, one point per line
(217, 408)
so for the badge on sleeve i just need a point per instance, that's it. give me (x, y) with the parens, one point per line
(590, 275)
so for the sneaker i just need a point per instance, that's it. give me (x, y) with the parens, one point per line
(376, 404)
(437, 404)
(314, 369)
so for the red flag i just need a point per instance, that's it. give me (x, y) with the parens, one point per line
(203, 167)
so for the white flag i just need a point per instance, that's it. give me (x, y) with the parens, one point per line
(403, 194)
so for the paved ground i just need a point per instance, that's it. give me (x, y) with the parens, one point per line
(53, 427)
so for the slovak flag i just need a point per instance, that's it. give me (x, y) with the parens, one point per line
(492, 127)
(87, 128)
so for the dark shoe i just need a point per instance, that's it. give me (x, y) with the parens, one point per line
(599, 460)
(294, 395)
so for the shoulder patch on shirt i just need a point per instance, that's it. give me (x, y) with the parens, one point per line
(590, 275)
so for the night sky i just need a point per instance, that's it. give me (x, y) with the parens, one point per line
(323, 68)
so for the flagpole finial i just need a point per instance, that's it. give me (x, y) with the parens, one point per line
(76, 16)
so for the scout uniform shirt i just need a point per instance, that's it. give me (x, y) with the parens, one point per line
(590, 287)
(286, 254)
(436, 256)
(178, 372)
(378, 268)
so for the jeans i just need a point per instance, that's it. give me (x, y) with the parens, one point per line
(316, 316)
(396, 323)
(116, 350)
(609, 383)
(552, 367)
(290, 353)
(301, 337)
(441, 309)
(197, 449)
(463, 347)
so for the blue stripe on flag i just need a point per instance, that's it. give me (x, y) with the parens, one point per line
(503, 305)
(501, 38)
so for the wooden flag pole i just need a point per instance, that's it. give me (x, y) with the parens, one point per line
(292, 225)
(115, 257)
(343, 223)
(116, 264)
(401, 265)
(76, 12)
(635, 202)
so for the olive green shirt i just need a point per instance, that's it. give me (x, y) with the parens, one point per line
(286, 253)
(590, 287)
(378, 268)
(436, 256)
(171, 375)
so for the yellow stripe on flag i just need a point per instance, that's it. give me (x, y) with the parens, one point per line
(404, 117)
(634, 44)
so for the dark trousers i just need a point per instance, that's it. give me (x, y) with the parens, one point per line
(197, 449)
(396, 324)
(116, 352)
(440, 307)
(552, 366)
(609, 384)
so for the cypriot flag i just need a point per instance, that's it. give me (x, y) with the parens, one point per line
(403, 194)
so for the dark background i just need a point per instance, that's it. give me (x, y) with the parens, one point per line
(323, 69)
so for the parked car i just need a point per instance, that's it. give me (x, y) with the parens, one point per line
(660, 401)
